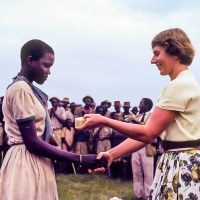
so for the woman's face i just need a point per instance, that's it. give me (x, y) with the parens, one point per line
(40, 69)
(164, 62)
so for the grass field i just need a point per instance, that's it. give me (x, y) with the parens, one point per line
(92, 187)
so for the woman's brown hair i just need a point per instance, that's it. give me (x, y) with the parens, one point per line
(176, 42)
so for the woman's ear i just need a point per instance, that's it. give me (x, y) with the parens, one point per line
(175, 57)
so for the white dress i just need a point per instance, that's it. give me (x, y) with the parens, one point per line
(24, 175)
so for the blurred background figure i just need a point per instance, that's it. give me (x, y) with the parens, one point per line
(126, 108)
(117, 169)
(57, 113)
(132, 115)
(93, 105)
(106, 104)
(134, 110)
(86, 109)
(65, 102)
(143, 159)
(117, 107)
(67, 142)
(71, 111)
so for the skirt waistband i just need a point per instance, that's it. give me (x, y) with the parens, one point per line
(167, 145)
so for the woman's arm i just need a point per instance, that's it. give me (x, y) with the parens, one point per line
(125, 148)
(143, 134)
(41, 148)
(156, 124)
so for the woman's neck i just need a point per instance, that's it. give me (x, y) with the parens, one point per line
(177, 70)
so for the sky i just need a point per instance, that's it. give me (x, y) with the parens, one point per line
(102, 47)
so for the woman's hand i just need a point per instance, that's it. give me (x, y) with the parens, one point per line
(92, 121)
(106, 155)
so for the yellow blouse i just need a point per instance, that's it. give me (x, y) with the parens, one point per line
(182, 95)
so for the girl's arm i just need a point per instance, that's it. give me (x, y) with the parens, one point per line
(41, 148)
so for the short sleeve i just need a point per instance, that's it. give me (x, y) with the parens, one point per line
(172, 98)
(22, 104)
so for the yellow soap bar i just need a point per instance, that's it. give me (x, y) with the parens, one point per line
(79, 121)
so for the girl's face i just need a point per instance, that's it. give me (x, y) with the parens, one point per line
(40, 69)
(164, 62)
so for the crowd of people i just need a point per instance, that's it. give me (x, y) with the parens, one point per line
(65, 136)
(139, 166)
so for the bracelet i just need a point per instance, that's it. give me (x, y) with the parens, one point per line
(80, 161)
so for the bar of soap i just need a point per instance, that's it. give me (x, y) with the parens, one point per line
(79, 121)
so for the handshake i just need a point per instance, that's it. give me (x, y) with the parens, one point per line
(93, 162)
(99, 163)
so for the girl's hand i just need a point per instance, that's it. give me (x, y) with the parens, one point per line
(91, 161)
(107, 157)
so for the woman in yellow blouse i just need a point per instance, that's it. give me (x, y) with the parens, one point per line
(175, 119)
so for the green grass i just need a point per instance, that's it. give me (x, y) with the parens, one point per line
(92, 187)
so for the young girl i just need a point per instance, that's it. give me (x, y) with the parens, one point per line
(27, 172)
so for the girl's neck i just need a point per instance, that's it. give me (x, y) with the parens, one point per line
(26, 73)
